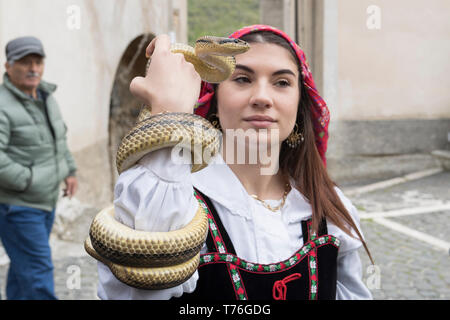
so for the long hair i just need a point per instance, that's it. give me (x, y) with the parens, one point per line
(304, 164)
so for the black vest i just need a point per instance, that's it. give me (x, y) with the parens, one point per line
(309, 274)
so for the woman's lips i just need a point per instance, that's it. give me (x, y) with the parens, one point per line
(260, 121)
(260, 124)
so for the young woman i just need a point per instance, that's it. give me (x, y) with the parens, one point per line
(290, 234)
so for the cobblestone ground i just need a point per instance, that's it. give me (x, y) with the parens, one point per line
(75, 278)
(408, 268)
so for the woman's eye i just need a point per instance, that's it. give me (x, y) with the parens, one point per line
(283, 83)
(242, 80)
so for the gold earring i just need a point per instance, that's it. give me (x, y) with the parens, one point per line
(295, 138)
(215, 121)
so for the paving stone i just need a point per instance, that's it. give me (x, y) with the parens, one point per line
(429, 294)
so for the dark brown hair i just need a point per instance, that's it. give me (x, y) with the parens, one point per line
(304, 164)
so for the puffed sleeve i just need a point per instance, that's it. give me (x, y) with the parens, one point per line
(350, 285)
(154, 195)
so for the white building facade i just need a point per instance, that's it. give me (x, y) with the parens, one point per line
(89, 46)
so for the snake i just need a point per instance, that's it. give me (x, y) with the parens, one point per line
(160, 260)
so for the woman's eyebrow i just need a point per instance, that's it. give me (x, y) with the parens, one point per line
(276, 73)
(245, 68)
(283, 71)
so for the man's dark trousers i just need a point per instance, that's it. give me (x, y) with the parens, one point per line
(25, 236)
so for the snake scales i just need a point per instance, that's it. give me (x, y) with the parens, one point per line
(158, 260)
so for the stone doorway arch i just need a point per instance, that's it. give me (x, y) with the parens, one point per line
(124, 108)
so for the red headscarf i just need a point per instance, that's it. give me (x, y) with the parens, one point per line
(320, 112)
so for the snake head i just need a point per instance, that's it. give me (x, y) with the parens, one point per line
(222, 46)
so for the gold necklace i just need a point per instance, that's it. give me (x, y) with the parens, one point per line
(275, 209)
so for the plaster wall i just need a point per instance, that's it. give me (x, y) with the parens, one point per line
(85, 42)
(83, 61)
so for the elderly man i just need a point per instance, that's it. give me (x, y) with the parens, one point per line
(34, 160)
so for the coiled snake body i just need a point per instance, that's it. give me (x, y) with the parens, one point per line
(158, 260)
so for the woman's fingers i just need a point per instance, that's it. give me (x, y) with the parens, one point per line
(150, 48)
(160, 43)
(139, 90)
(171, 83)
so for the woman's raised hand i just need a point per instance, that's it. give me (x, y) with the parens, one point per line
(171, 83)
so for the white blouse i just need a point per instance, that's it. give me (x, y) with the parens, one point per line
(157, 195)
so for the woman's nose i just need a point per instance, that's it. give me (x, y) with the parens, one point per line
(261, 97)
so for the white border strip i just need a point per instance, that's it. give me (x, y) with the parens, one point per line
(405, 212)
(437, 243)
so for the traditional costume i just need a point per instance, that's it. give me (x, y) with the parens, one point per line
(251, 252)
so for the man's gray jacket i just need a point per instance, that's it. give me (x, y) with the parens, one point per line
(34, 157)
